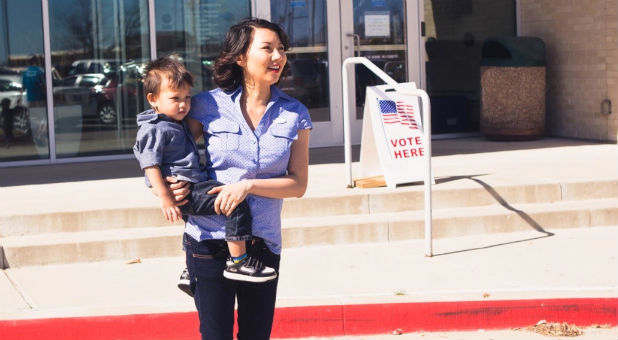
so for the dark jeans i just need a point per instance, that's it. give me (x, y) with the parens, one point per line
(214, 295)
(237, 225)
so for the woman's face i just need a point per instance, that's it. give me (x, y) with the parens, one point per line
(265, 58)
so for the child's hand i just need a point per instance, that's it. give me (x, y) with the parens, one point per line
(170, 211)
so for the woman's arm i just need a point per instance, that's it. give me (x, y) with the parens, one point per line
(196, 128)
(294, 184)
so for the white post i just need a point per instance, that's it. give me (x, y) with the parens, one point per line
(426, 135)
(152, 29)
(49, 86)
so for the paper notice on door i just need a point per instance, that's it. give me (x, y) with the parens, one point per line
(377, 24)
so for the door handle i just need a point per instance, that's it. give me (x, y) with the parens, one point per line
(356, 42)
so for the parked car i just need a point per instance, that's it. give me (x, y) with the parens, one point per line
(11, 91)
(105, 95)
(132, 88)
(95, 92)
(85, 66)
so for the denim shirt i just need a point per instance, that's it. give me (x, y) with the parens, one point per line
(234, 152)
(168, 144)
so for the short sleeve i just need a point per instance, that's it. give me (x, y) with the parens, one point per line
(200, 105)
(304, 119)
(149, 145)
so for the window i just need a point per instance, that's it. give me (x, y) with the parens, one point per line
(23, 118)
(95, 47)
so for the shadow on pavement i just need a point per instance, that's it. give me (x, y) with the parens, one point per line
(522, 214)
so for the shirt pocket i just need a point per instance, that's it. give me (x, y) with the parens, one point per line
(283, 135)
(223, 135)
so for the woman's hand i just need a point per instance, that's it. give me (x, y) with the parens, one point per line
(179, 189)
(229, 196)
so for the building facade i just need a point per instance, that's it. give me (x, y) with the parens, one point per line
(582, 70)
(70, 70)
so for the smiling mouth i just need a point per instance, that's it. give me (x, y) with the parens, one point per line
(274, 68)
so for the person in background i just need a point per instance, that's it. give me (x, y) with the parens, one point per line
(33, 81)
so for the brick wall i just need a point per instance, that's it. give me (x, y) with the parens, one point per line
(581, 39)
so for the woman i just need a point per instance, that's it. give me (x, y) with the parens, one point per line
(257, 141)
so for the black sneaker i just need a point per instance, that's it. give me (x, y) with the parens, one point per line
(184, 283)
(249, 269)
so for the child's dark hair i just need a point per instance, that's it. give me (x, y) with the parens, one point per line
(227, 74)
(168, 67)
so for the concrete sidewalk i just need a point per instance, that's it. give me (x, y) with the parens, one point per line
(520, 272)
(494, 272)
(572, 263)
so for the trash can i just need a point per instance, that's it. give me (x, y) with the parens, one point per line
(513, 88)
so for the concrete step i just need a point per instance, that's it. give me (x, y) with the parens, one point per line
(456, 193)
(157, 241)
(89, 246)
(452, 222)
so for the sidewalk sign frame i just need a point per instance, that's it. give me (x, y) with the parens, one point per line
(426, 136)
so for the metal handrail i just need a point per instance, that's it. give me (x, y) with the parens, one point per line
(426, 134)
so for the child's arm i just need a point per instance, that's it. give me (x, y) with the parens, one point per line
(159, 187)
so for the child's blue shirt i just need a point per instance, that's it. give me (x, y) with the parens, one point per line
(168, 144)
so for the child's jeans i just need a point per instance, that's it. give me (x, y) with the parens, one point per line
(237, 225)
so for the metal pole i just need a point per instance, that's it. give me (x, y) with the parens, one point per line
(426, 135)
(152, 30)
(346, 124)
(49, 94)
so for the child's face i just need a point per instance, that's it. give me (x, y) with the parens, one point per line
(174, 103)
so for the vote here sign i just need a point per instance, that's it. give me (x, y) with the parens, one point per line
(393, 141)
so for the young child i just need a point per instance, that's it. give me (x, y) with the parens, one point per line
(165, 147)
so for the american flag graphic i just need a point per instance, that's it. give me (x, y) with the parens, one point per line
(398, 112)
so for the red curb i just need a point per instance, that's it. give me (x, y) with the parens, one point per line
(336, 320)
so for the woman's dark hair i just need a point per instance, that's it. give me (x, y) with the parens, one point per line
(168, 67)
(227, 74)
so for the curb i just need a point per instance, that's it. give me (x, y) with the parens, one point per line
(334, 320)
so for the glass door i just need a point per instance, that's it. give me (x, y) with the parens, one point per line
(314, 61)
(322, 34)
(379, 31)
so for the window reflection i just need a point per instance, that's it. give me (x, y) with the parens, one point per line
(99, 49)
(307, 78)
(23, 118)
(193, 30)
